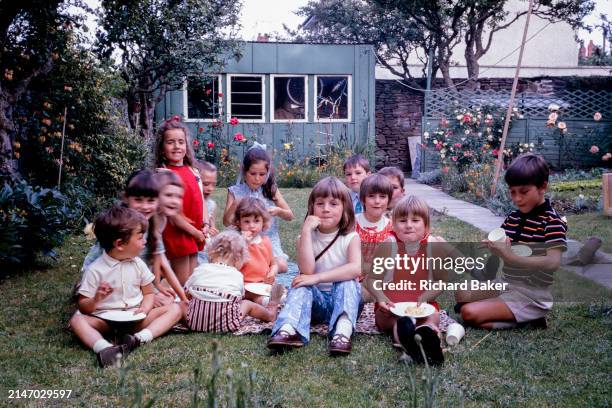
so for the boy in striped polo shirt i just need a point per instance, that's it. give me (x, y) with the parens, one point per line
(527, 297)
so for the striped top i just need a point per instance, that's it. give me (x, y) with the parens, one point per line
(542, 229)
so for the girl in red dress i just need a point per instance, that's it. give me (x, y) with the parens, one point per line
(184, 234)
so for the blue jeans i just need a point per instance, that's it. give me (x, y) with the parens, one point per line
(309, 305)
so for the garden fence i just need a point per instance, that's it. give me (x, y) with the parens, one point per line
(577, 109)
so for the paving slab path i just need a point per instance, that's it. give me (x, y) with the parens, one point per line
(483, 219)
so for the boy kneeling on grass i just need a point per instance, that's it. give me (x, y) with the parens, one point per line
(527, 298)
(119, 280)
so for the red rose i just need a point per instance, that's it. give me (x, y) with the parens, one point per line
(208, 91)
(196, 143)
(211, 145)
(234, 121)
(200, 130)
(220, 94)
(457, 145)
(467, 118)
(454, 158)
(239, 137)
(495, 152)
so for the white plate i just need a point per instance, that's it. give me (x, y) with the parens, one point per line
(522, 250)
(121, 315)
(263, 289)
(425, 309)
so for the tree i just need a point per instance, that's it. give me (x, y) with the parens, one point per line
(159, 43)
(358, 21)
(441, 25)
(30, 31)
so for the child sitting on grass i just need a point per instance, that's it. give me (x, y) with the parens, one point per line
(216, 289)
(372, 225)
(356, 168)
(527, 298)
(410, 237)
(119, 280)
(252, 220)
(396, 177)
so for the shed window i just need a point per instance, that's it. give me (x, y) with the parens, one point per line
(202, 100)
(333, 93)
(246, 93)
(288, 98)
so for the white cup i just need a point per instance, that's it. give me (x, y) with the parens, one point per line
(498, 234)
(454, 333)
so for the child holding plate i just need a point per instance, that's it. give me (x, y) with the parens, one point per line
(251, 218)
(411, 237)
(119, 283)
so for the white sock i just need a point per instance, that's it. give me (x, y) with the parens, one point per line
(144, 335)
(288, 328)
(344, 326)
(100, 345)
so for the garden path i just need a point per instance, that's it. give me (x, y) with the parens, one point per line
(483, 219)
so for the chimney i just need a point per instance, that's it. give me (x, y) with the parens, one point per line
(590, 48)
(582, 52)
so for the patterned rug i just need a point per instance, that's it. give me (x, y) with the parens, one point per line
(365, 324)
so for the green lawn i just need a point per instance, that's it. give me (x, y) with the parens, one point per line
(567, 365)
(581, 226)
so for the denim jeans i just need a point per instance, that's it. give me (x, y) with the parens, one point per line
(308, 305)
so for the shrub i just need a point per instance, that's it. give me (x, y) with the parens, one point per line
(431, 177)
(33, 221)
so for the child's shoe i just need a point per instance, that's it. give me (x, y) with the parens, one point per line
(130, 343)
(340, 345)
(429, 340)
(110, 356)
(284, 340)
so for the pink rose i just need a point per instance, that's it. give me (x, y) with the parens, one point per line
(211, 145)
(457, 145)
(597, 117)
(239, 137)
(233, 121)
(594, 149)
(454, 158)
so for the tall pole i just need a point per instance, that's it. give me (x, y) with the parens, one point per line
(500, 153)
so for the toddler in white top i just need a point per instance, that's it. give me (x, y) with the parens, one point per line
(216, 289)
(119, 280)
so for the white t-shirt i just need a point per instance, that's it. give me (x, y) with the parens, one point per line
(217, 277)
(334, 257)
(125, 277)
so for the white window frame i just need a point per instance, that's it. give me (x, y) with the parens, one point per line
(186, 117)
(306, 102)
(263, 97)
(349, 99)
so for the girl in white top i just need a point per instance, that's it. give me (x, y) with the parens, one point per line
(216, 289)
(329, 258)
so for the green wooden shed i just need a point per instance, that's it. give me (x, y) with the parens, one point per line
(309, 94)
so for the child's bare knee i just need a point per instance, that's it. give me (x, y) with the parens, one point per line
(469, 315)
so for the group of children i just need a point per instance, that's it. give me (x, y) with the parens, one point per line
(167, 216)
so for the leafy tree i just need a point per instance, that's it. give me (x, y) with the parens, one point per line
(158, 43)
(30, 31)
(441, 25)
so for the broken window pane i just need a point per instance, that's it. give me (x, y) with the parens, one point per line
(247, 97)
(203, 97)
(289, 98)
(332, 97)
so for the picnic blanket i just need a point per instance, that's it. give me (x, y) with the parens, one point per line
(365, 324)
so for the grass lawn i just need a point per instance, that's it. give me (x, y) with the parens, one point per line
(567, 365)
(581, 226)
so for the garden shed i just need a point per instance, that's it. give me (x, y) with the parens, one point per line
(310, 96)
